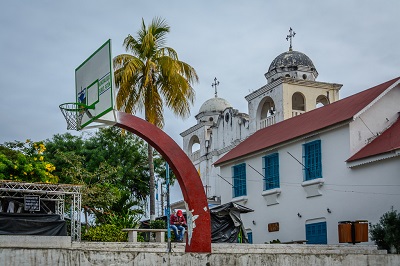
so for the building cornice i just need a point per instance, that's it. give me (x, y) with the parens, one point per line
(373, 159)
(299, 82)
(195, 127)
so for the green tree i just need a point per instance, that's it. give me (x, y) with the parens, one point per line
(106, 161)
(99, 193)
(26, 162)
(386, 233)
(151, 77)
(127, 153)
(112, 167)
(62, 146)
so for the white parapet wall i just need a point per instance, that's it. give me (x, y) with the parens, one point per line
(38, 250)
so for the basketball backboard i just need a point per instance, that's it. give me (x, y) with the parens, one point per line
(94, 85)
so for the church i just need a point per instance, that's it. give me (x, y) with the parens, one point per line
(306, 161)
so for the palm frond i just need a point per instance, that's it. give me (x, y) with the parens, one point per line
(153, 76)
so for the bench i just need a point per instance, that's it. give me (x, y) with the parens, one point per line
(132, 233)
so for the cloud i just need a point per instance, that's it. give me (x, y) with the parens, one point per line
(42, 43)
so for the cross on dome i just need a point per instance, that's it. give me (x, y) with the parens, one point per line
(290, 36)
(214, 85)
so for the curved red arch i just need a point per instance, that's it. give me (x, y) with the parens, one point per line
(188, 178)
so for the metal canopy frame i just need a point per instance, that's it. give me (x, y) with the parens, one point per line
(49, 192)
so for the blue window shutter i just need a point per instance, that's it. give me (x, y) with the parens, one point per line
(316, 233)
(271, 171)
(312, 160)
(239, 180)
(250, 237)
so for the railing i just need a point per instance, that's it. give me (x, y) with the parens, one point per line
(267, 121)
(297, 112)
(195, 155)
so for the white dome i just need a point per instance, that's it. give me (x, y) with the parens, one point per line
(214, 105)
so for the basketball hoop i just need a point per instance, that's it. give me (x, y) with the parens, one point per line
(73, 113)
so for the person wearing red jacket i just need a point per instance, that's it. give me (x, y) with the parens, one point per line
(178, 225)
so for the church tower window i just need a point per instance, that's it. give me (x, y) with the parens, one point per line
(298, 104)
(322, 100)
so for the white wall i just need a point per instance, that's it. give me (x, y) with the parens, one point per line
(350, 194)
(374, 119)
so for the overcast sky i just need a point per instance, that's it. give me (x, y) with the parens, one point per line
(354, 43)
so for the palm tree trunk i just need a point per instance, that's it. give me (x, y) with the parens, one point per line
(152, 184)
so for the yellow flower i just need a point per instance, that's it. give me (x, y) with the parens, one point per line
(24, 173)
(35, 159)
(15, 167)
(41, 158)
(27, 141)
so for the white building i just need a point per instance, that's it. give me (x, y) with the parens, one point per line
(302, 159)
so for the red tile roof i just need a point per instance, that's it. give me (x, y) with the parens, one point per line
(386, 142)
(306, 123)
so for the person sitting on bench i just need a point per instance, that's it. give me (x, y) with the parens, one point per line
(178, 223)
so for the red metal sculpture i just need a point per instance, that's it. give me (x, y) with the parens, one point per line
(188, 178)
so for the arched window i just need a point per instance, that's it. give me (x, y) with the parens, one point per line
(268, 108)
(322, 100)
(298, 102)
(194, 144)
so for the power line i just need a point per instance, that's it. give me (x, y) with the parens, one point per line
(256, 170)
(367, 127)
(363, 192)
(325, 184)
(305, 167)
(225, 180)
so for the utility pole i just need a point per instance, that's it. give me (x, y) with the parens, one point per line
(168, 207)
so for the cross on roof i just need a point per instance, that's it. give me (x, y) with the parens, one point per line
(214, 85)
(290, 36)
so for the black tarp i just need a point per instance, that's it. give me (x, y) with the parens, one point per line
(226, 224)
(32, 224)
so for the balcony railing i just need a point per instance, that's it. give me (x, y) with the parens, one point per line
(267, 121)
(297, 112)
(195, 155)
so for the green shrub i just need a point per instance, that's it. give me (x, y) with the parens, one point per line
(158, 224)
(105, 233)
(386, 233)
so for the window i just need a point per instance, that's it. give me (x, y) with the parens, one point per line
(316, 233)
(298, 102)
(239, 180)
(312, 160)
(271, 171)
(250, 237)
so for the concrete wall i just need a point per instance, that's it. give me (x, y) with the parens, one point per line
(24, 251)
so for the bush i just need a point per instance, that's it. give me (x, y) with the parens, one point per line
(105, 233)
(158, 224)
(386, 233)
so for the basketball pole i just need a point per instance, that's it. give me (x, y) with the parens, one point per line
(168, 212)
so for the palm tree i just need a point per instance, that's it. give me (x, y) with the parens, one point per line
(151, 77)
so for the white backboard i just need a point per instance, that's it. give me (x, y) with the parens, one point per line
(94, 84)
